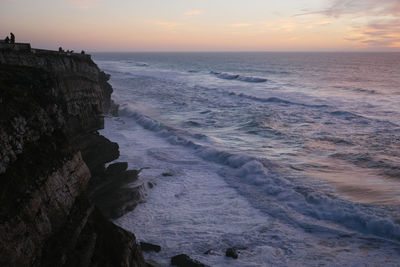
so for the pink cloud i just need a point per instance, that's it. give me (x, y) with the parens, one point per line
(193, 12)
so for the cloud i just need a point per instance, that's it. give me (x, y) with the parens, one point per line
(381, 26)
(167, 24)
(83, 3)
(377, 33)
(322, 22)
(338, 8)
(240, 25)
(193, 12)
(363, 7)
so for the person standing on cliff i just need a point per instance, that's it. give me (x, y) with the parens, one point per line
(7, 40)
(12, 38)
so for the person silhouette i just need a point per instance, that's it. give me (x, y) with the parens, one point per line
(7, 40)
(12, 38)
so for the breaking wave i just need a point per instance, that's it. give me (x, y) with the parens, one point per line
(228, 76)
(276, 192)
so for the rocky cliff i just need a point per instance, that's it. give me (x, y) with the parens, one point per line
(51, 106)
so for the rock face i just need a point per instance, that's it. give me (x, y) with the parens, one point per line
(109, 190)
(51, 106)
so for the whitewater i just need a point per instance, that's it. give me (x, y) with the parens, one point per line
(291, 158)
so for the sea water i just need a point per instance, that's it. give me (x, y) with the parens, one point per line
(291, 158)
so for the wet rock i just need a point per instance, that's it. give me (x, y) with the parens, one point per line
(109, 105)
(113, 192)
(117, 201)
(231, 252)
(151, 263)
(150, 247)
(183, 260)
(131, 175)
(150, 184)
(116, 168)
(208, 252)
(165, 174)
(96, 151)
(88, 239)
(116, 190)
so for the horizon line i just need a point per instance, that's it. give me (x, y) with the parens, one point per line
(244, 51)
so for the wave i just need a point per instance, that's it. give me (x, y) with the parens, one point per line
(141, 64)
(346, 115)
(228, 76)
(251, 79)
(366, 160)
(275, 100)
(276, 189)
(357, 90)
(266, 71)
(384, 125)
(367, 91)
(336, 140)
(277, 72)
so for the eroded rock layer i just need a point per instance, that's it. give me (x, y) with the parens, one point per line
(51, 106)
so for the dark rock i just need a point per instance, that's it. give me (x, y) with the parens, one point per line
(109, 105)
(165, 174)
(150, 184)
(208, 252)
(88, 239)
(116, 201)
(116, 168)
(151, 263)
(96, 151)
(183, 260)
(131, 175)
(51, 106)
(150, 247)
(109, 190)
(231, 252)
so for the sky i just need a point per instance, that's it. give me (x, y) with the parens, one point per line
(204, 25)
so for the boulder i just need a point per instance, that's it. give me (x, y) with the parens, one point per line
(231, 252)
(149, 247)
(183, 260)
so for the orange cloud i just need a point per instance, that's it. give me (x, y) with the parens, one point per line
(167, 24)
(193, 12)
(379, 33)
(382, 26)
(240, 25)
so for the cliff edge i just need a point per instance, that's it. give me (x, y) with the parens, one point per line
(51, 106)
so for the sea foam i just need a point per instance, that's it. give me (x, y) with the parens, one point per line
(302, 205)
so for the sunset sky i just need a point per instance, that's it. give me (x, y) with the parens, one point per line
(204, 25)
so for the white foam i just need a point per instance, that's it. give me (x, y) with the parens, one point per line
(195, 210)
(228, 76)
(266, 179)
(213, 136)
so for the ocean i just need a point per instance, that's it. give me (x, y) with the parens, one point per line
(291, 158)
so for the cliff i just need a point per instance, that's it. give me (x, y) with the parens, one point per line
(51, 106)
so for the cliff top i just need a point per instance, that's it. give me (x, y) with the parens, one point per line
(26, 47)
